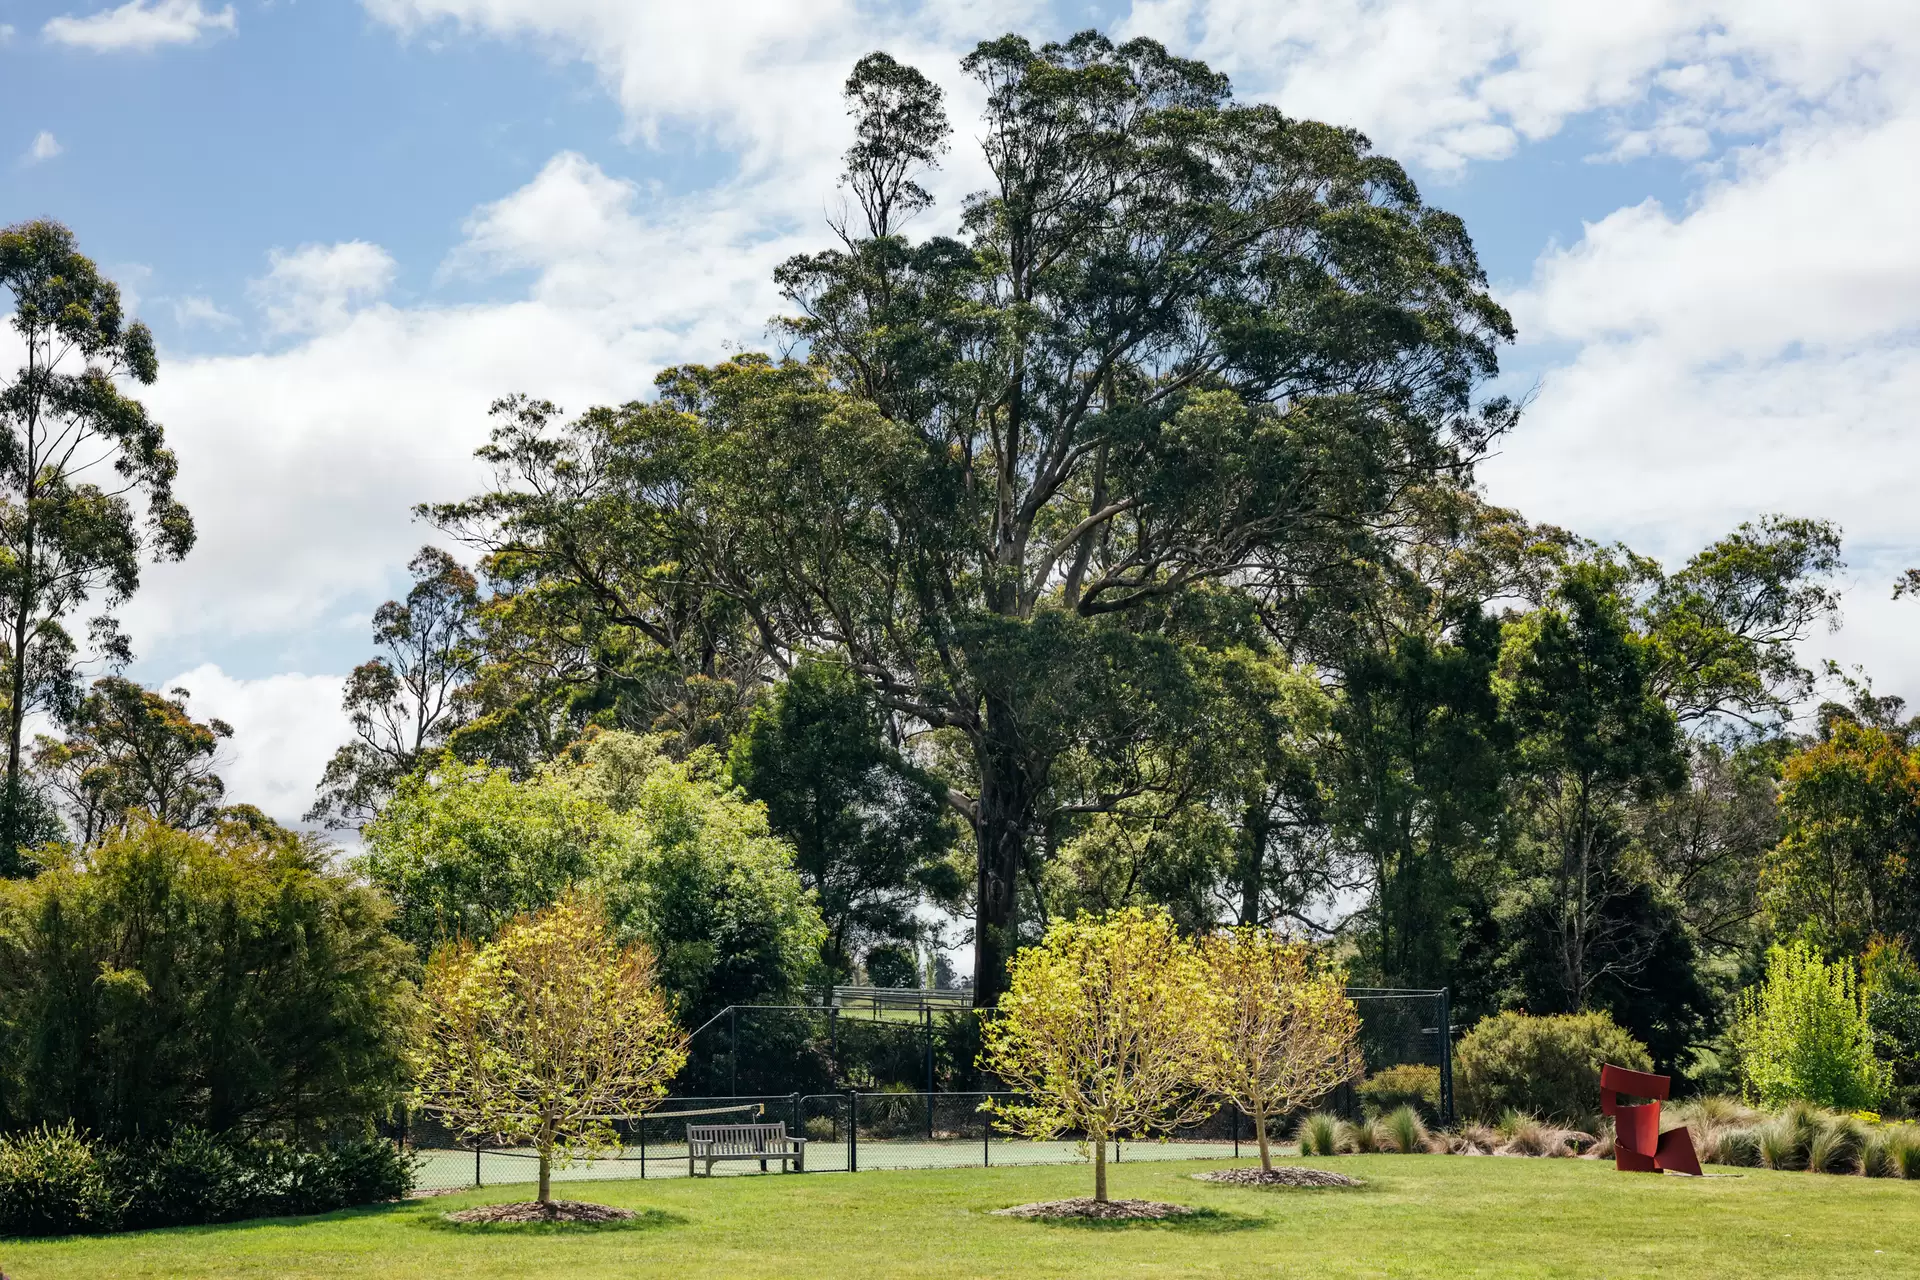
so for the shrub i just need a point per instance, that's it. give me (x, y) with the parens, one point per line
(259, 985)
(1319, 1134)
(1802, 1034)
(338, 1175)
(52, 1182)
(1549, 1067)
(1414, 1085)
(1403, 1131)
(191, 1177)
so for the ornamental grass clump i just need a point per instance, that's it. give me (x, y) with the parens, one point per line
(540, 1037)
(1403, 1131)
(1111, 1027)
(1290, 1034)
(1319, 1134)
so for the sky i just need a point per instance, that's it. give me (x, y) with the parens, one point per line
(352, 226)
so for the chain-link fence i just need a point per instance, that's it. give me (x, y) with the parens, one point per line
(893, 1129)
(857, 1092)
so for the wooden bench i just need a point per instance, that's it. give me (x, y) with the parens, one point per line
(762, 1142)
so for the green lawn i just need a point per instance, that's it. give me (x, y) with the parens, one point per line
(1418, 1216)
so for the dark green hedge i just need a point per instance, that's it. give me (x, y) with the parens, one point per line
(56, 1181)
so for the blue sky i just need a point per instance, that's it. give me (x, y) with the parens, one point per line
(352, 225)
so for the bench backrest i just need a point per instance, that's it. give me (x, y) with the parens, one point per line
(739, 1138)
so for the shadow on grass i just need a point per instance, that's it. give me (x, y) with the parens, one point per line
(1205, 1222)
(642, 1220)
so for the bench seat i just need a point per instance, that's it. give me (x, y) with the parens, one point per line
(713, 1143)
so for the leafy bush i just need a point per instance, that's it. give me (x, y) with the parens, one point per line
(52, 1182)
(56, 1182)
(1802, 1034)
(1414, 1085)
(191, 1177)
(227, 980)
(338, 1175)
(1547, 1067)
(1319, 1134)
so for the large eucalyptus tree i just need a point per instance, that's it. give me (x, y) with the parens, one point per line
(1183, 357)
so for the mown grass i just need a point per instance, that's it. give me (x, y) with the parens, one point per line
(1418, 1216)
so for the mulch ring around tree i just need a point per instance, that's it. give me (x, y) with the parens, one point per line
(1281, 1176)
(534, 1211)
(1101, 1209)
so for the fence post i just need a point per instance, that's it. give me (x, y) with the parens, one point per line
(853, 1131)
(1446, 1058)
(476, 1163)
(733, 1044)
(1236, 1131)
(986, 1135)
(927, 1016)
(799, 1130)
(641, 1124)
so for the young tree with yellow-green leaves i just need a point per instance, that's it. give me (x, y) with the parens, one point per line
(1108, 1027)
(1291, 1035)
(542, 1036)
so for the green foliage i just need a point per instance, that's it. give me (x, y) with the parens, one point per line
(1181, 341)
(461, 849)
(1544, 1066)
(1803, 1035)
(684, 862)
(130, 750)
(215, 979)
(59, 1182)
(539, 1037)
(871, 830)
(1892, 982)
(1412, 1084)
(1845, 869)
(407, 701)
(53, 1183)
(68, 540)
(699, 877)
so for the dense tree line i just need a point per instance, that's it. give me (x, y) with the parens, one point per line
(1122, 548)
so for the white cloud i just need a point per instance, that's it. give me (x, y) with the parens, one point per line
(6, 32)
(302, 466)
(285, 727)
(195, 310)
(761, 76)
(139, 25)
(1758, 351)
(44, 147)
(316, 287)
(1445, 82)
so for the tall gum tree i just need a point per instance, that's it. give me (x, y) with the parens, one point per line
(1179, 341)
(79, 459)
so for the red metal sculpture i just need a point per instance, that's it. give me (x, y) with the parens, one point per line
(1638, 1144)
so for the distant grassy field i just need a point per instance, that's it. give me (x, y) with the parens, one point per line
(1419, 1216)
